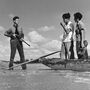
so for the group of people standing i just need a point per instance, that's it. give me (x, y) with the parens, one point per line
(73, 41)
(70, 45)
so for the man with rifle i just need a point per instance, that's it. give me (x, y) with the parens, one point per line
(16, 36)
(68, 35)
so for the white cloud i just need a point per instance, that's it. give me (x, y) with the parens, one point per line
(32, 45)
(53, 45)
(33, 53)
(2, 28)
(36, 37)
(61, 36)
(46, 28)
(4, 51)
(48, 51)
(45, 51)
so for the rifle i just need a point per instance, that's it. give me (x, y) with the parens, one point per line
(24, 42)
(64, 28)
(21, 40)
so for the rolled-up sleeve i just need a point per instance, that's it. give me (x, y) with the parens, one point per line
(8, 33)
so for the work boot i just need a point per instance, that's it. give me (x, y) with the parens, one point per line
(24, 67)
(10, 66)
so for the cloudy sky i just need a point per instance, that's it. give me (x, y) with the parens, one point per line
(40, 21)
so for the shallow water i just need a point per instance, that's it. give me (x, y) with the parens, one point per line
(40, 77)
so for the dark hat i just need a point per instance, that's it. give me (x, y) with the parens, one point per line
(15, 17)
(78, 15)
(66, 16)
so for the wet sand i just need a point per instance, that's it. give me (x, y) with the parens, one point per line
(40, 77)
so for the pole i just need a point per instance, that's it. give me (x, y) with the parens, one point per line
(33, 60)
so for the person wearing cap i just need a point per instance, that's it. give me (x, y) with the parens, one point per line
(16, 34)
(79, 32)
(68, 34)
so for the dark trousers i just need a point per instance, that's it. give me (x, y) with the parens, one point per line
(16, 44)
(72, 50)
(78, 47)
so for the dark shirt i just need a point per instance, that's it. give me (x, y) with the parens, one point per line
(79, 28)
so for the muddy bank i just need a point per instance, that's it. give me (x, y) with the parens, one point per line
(40, 77)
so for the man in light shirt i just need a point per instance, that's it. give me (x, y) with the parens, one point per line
(68, 34)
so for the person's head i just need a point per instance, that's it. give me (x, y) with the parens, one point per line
(85, 43)
(66, 17)
(77, 16)
(16, 20)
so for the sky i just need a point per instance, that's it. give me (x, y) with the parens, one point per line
(40, 22)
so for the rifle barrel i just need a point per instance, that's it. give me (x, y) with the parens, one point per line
(25, 42)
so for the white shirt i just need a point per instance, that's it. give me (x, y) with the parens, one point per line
(69, 35)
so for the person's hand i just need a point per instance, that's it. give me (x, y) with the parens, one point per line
(21, 39)
(14, 35)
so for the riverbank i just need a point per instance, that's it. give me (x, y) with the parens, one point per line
(40, 77)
